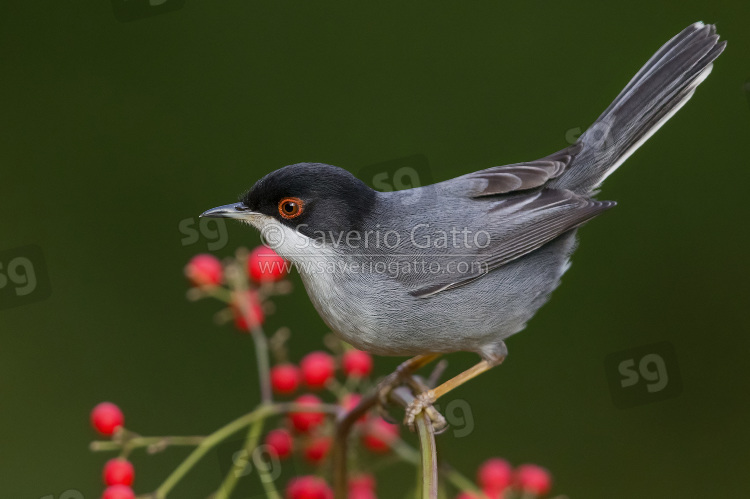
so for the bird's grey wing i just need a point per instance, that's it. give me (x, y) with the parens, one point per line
(510, 178)
(517, 225)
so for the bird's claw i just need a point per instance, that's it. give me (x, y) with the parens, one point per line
(423, 402)
(383, 412)
(386, 386)
(384, 391)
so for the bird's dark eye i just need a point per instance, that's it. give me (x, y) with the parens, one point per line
(291, 207)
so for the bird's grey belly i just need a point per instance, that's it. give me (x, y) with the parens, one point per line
(374, 312)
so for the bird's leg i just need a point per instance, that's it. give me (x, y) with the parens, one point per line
(402, 371)
(429, 397)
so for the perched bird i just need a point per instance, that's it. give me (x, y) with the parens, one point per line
(463, 264)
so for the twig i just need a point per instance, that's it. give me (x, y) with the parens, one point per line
(260, 413)
(429, 467)
(235, 276)
(154, 444)
(460, 481)
(429, 456)
(267, 480)
(345, 423)
(261, 355)
(341, 442)
(231, 478)
(207, 444)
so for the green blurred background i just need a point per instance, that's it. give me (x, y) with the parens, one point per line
(113, 133)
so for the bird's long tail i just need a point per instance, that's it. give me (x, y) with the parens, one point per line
(655, 93)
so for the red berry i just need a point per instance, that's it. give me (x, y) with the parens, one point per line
(118, 492)
(253, 309)
(378, 435)
(357, 364)
(285, 378)
(317, 368)
(308, 487)
(362, 494)
(264, 264)
(469, 495)
(495, 475)
(533, 479)
(317, 449)
(350, 401)
(118, 471)
(363, 481)
(106, 418)
(279, 443)
(204, 270)
(305, 421)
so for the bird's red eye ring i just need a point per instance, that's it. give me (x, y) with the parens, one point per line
(291, 207)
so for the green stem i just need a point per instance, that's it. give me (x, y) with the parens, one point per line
(137, 442)
(454, 477)
(207, 444)
(264, 366)
(260, 413)
(429, 457)
(267, 480)
(238, 287)
(220, 293)
(406, 452)
(462, 483)
(230, 480)
(344, 424)
(238, 283)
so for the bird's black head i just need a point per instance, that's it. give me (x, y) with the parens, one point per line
(313, 198)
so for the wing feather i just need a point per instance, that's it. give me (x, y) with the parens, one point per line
(528, 223)
(519, 176)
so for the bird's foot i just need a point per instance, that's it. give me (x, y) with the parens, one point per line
(424, 402)
(386, 386)
(384, 389)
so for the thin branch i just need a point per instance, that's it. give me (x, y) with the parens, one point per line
(261, 355)
(154, 444)
(232, 476)
(267, 480)
(236, 277)
(209, 442)
(429, 457)
(460, 481)
(429, 466)
(345, 423)
(341, 442)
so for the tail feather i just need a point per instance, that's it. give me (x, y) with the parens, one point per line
(661, 87)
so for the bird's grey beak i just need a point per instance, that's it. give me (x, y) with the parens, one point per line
(236, 210)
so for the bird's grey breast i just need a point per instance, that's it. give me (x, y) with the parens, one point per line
(363, 292)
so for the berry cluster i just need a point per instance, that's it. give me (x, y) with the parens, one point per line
(309, 433)
(118, 474)
(498, 480)
(302, 396)
(262, 266)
